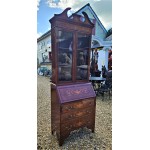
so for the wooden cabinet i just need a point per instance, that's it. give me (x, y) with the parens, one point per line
(73, 98)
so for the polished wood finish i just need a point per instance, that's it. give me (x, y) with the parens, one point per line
(73, 100)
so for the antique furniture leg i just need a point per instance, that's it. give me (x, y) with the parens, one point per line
(93, 130)
(52, 132)
(109, 93)
(61, 142)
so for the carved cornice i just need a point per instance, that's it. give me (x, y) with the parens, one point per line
(75, 18)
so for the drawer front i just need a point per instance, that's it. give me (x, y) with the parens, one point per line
(77, 113)
(77, 123)
(67, 107)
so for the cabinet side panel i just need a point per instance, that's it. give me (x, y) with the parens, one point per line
(55, 112)
(54, 55)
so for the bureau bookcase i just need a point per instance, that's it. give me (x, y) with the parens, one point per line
(73, 100)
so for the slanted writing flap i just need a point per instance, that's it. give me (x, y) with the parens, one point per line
(75, 92)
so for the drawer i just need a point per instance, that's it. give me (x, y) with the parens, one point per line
(77, 113)
(77, 123)
(67, 107)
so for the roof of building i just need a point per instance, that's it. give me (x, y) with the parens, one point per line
(96, 17)
(109, 32)
(44, 35)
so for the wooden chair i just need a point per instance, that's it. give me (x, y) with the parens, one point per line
(106, 86)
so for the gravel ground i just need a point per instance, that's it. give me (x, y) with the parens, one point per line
(82, 139)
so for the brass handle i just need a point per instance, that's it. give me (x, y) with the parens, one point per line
(70, 116)
(70, 107)
(88, 112)
(68, 127)
(90, 103)
(88, 122)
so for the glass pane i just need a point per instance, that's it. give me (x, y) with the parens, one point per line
(65, 48)
(82, 56)
(82, 72)
(82, 64)
(64, 39)
(83, 41)
(65, 73)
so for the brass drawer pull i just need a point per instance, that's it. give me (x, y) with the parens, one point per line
(89, 112)
(88, 122)
(90, 103)
(68, 127)
(70, 116)
(68, 108)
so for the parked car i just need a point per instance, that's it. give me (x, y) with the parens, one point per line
(44, 71)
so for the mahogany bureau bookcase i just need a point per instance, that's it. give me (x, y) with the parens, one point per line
(73, 100)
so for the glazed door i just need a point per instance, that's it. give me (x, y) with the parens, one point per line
(65, 55)
(82, 56)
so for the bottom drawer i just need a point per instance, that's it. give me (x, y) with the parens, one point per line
(78, 123)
